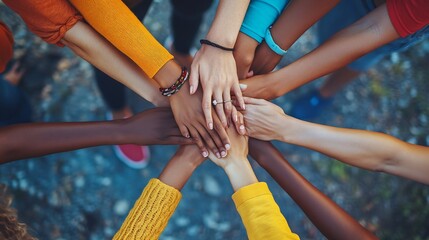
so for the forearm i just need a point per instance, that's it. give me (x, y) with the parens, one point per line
(367, 34)
(92, 47)
(327, 216)
(226, 25)
(364, 149)
(180, 168)
(291, 25)
(240, 173)
(46, 138)
(115, 21)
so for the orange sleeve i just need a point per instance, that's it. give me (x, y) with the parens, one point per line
(6, 43)
(48, 19)
(115, 21)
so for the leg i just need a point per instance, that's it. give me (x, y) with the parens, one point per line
(325, 214)
(186, 20)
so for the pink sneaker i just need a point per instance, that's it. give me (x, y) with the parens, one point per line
(134, 156)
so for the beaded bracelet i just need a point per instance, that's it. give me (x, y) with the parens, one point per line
(184, 76)
(210, 43)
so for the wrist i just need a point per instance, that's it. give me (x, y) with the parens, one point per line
(223, 40)
(240, 173)
(292, 132)
(168, 74)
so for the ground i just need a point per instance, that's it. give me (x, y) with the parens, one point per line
(86, 194)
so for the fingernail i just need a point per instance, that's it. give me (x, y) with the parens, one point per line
(205, 154)
(223, 153)
(243, 107)
(187, 136)
(218, 155)
(211, 126)
(191, 90)
(236, 119)
(227, 146)
(243, 86)
(242, 129)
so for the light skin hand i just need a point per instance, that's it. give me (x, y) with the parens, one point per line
(236, 165)
(263, 119)
(190, 119)
(261, 86)
(216, 70)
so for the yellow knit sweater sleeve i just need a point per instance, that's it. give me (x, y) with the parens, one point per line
(151, 212)
(260, 214)
(115, 21)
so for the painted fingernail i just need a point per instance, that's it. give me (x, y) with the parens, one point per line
(227, 146)
(243, 107)
(243, 86)
(236, 119)
(205, 154)
(218, 155)
(223, 153)
(187, 135)
(211, 126)
(191, 89)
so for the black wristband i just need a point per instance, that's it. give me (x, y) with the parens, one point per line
(210, 43)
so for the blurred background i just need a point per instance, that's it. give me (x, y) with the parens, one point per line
(86, 194)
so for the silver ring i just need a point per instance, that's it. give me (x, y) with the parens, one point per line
(215, 102)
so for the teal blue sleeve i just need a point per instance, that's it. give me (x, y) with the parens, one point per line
(260, 15)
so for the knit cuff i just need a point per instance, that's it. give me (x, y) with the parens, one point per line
(249, 192)
(151, 212)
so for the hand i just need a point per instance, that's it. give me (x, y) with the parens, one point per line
(263, 119)
(190, 119)
(154, 126)
(244, 52)
(238, 151)
(260, 86)
(265, 60)
(216, 70)
(15, 74)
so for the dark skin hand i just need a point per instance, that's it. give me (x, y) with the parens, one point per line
(155, 126)
(326, 215)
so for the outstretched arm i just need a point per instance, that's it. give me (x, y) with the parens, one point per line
(254, 202)
(155, 126)
(370, 32)
(327, 216)
(158, 201)
(364, 149)
(288, 28)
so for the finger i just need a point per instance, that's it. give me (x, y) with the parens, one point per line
(243, 87)
(219, 108)
(215, 146)
(194, 79)
(199, 142)
(234, 117)
(220, 130)
(239, 96)
(227, 106)
(179, 140)
(184, 130)
(250, 74)
(207, 108)
(15, 66)
(240, 124)
(253, 101)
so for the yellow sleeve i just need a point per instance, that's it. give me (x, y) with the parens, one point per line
(260, 214)
(115, 21)
(150, 213)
